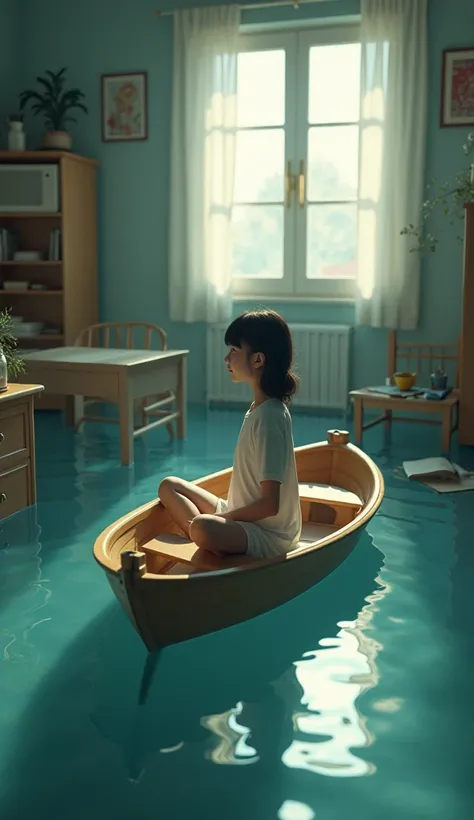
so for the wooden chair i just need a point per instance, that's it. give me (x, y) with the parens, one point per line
(131, 336)
(421, 358)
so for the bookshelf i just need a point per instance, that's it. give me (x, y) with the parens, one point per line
(68, 299)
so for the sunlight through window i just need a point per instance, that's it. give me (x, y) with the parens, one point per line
(296, 185)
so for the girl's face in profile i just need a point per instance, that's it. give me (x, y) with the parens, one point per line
(242, 364)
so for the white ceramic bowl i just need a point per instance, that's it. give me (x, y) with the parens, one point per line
(27, 256)
(9, 285)
(28, 329)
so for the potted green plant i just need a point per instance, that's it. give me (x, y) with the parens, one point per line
(11, 364)
(54, 103)
(450, 198)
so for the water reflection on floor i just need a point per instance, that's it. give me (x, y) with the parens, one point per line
(351, 701)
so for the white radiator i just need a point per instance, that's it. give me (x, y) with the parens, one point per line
(322, 355)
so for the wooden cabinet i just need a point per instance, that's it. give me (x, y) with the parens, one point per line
(68, 299)
(17, 448)
(466, 370)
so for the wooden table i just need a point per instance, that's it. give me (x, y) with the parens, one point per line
(115, 375)
(17, 448)
(388, 404)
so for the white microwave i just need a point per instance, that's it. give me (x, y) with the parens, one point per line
(29, 188)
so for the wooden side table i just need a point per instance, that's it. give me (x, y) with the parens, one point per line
(17, 448)
(389, 404)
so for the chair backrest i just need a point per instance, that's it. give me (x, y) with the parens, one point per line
(423, 358)
(129, 335)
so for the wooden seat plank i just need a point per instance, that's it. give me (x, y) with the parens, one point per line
(181, 549)
(327, 494)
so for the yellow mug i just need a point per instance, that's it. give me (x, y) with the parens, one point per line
(404, 380)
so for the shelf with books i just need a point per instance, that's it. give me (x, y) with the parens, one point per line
(31, 292)
(62, 268)
(41, 337)
(27, 263)
(30, 215)
(30, 243)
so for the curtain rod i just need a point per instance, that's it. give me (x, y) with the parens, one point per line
(271, 3)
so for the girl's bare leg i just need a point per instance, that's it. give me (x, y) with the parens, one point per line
(218, 535)
(184, 501)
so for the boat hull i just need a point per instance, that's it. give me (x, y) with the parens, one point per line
(171, 597)
(166, 611)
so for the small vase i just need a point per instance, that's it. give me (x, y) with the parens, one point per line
(439, 380)
(16, 136)
(3, 372)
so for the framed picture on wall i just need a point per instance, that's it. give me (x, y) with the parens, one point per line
(457, 87)
(124, 107)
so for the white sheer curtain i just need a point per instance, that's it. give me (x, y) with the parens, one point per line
(392, 158)
(203, 135)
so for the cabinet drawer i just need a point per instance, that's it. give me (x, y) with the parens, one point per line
(15, 489)
(14, 432)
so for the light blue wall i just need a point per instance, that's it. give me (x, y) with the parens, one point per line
(109, 36)
(10, 54)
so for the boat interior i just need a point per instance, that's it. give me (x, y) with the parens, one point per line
(336, 484)
(325, 509)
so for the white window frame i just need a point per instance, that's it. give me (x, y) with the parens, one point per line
(253, 286)
(294, 285)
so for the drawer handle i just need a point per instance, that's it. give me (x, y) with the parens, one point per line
(3, 497)
(2, 437)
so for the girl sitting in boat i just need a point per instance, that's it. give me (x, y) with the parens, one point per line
(262, 514)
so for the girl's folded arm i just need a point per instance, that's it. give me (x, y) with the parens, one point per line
(266, 506)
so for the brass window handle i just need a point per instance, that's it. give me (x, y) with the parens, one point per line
(290, 184)
(293, 182)
(301, 185)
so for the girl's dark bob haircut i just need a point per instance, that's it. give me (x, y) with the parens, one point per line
(266, 332)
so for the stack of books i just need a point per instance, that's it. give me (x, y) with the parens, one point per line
(8, 244)
(412, 393)
(55, 249)
(440, 474)
(392, 390)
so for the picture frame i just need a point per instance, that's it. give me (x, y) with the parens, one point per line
(124, 106)
(457, 87)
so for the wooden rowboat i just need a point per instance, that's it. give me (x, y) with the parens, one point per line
(172, 591)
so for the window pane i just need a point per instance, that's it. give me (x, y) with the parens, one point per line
(334, 83)
(259, 166)
(261, 88)
(257, 241)
(331, 243)
(333, 162)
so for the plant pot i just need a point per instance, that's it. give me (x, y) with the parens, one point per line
(60, 140)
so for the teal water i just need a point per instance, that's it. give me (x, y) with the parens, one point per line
(352, 701)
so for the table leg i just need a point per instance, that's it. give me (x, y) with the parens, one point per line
(69, 411)
(126, 428)
(446, 429)
(77, 411)
(181, 398)
(358, 419)
(388, 421)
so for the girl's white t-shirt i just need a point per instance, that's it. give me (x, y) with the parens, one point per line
(265, 451)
